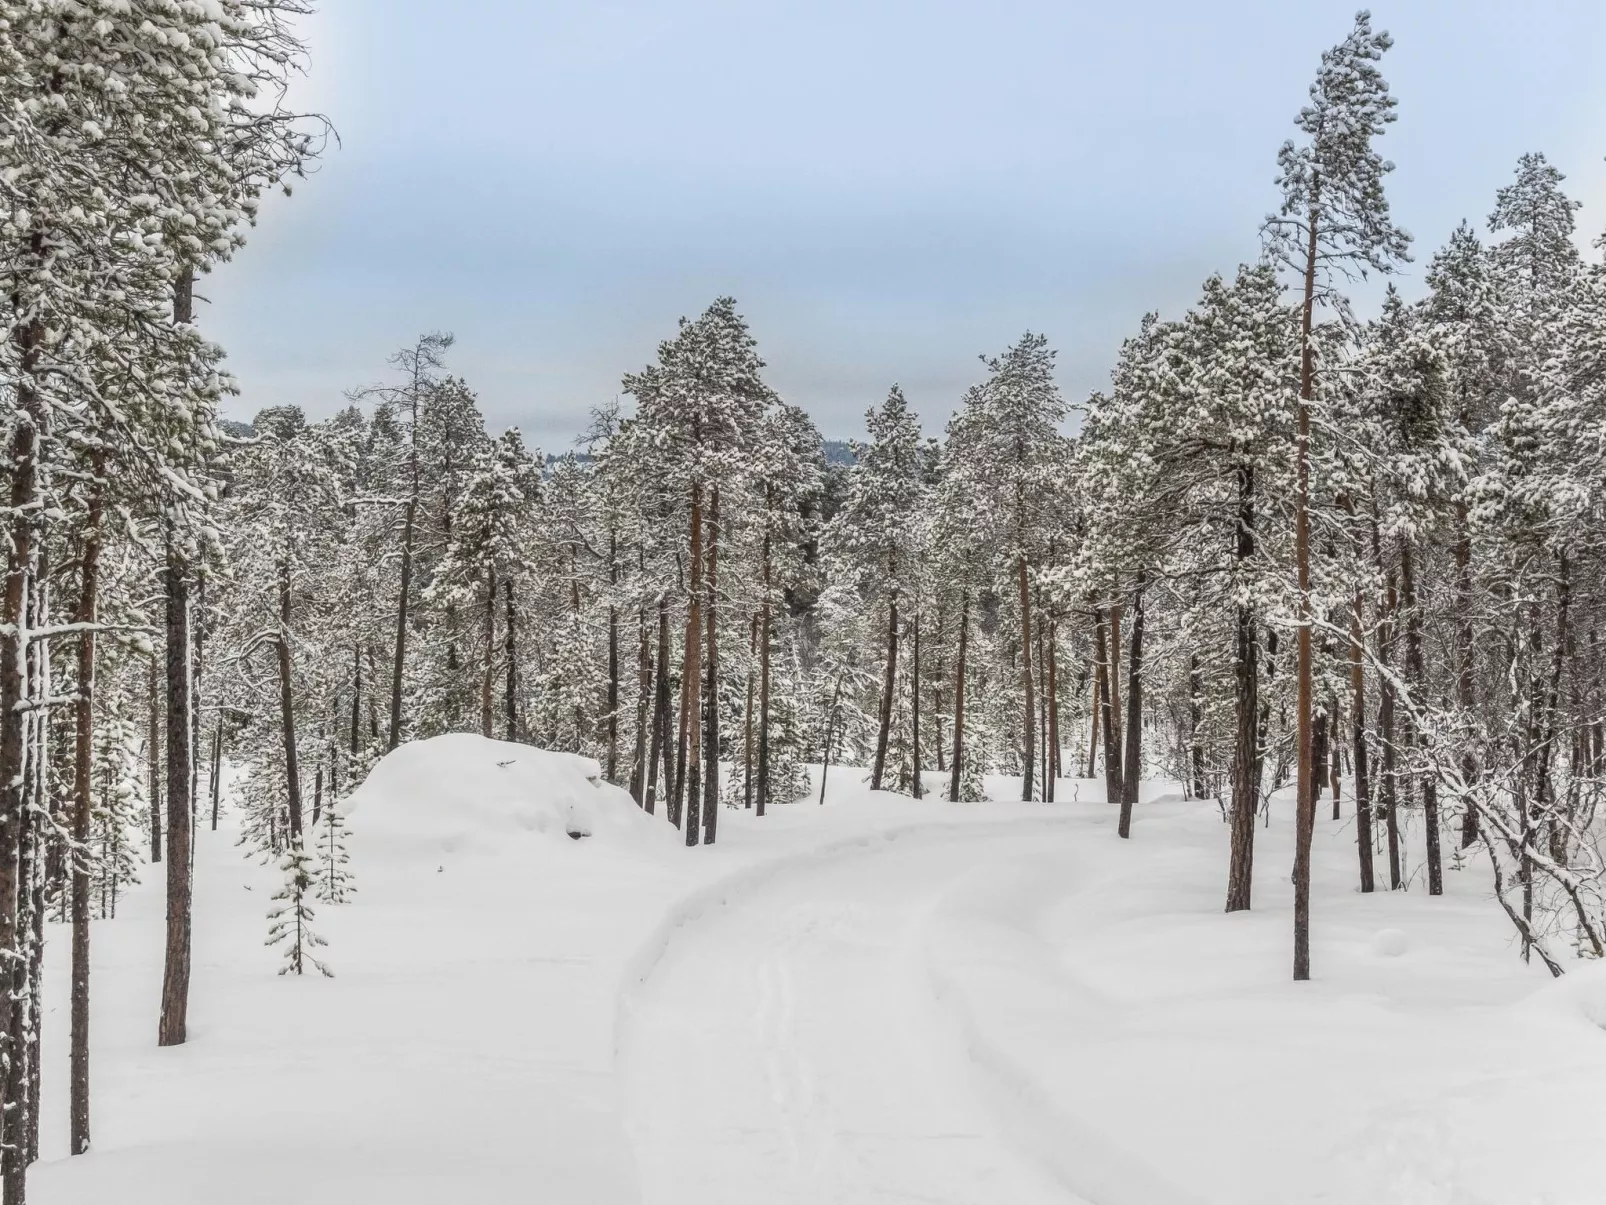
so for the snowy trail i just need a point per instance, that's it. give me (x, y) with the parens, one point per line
(791, 1045)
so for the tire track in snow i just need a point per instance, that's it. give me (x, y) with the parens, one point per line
(778, 1042)
(994, 975)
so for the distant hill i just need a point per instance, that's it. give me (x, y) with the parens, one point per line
(235, 428)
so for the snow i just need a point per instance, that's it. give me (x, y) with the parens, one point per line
(877, 1000)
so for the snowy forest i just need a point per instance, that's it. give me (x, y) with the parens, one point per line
(1351, 552)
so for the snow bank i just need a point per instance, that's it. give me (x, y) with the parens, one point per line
(1579, 995)
(463, 793)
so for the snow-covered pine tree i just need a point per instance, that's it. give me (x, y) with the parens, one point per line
(290, 920)
(334, 881)
(1334, 219)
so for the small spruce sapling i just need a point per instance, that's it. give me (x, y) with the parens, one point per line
(335, 883)
(290, 922)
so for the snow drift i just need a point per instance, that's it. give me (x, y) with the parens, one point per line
(463, 793)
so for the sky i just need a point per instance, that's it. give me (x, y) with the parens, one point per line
(889, 188)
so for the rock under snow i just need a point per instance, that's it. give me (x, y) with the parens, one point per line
(1390, 943)
(461, 793)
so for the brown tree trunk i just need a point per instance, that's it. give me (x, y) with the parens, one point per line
(356, 696)
(764, 640)
(510, 653)
(1112, 680)
(959, 700)
(1465, 695)
(692, 685)
(488, 667)
(638, 764)
(747, 713)
(1095, 715)
(287, 715)
(215, 784)
(940, 679)
(914, 694)
(1305, 794)
(830, 724)
(1385, 721)
(659, 736)
(711, 746)
(1132, 758)
(1029, 727)
(176, 973)
(884, 727)
(1196, 753)
(1363, 788)
(1417, 678)
(398, 667)
(1246, 680)
(1114, 780)
(83, 804)
(1053, 702)
(612, 773)
(153, 757)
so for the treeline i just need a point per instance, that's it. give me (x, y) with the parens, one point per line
(1286, 546)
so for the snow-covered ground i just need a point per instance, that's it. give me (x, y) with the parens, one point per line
(878, 1000)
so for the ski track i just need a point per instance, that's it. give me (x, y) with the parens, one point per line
(801, 1033)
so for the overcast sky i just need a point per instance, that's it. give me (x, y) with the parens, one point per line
(888, 187)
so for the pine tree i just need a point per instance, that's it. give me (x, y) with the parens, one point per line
(1334, 216)
(290, 921)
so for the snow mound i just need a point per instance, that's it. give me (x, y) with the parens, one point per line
(1390, 943)
(463, 793)
(1579, 994)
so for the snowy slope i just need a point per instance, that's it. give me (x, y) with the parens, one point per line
(874, 1001)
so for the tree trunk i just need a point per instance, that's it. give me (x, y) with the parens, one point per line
(1112, 683)
(1363, 789)
(1132, 759)
(1029, 728)
(1053, 703)
(884, 727)
(153, 757)
(612, 773)
(1246, 679)
(638, 761)
(176, 973)
(659, 747)
(830, 724)
(747, 713)
(488, 667)
(1196, 754)
(1095, 715)
(940, 679)
(1305, 794)
(23, 471)
(764, 640)
(1465, 694)
(914, 694)
(317, 792)
(83, 804)
(711, 747)
(287, 715)
(692, 685)
(1417, 678)
(216, 782)
(1385, 725)
(400, 663)
(356, 695)
(1114, 780)
(510, 653)
(959, 700)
